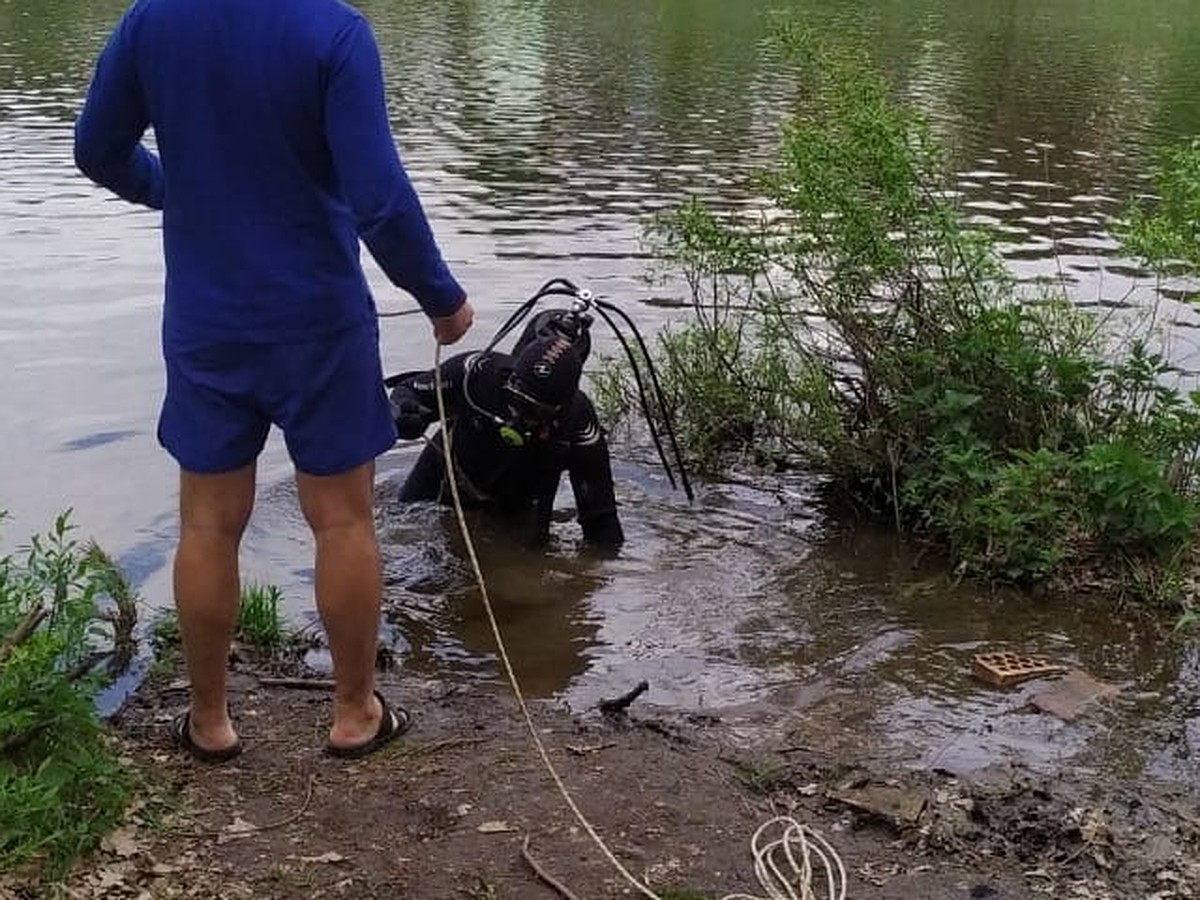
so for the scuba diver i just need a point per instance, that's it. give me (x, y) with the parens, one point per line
(517, 421)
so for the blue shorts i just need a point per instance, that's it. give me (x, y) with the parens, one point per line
(327, 396)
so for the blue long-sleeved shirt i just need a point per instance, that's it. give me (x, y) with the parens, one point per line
(276, 157)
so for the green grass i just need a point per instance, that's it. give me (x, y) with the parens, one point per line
(165, 631)
(259, 621)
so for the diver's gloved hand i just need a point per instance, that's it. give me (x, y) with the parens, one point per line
(412, 417)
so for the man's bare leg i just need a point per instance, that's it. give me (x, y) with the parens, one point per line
(213, 512)
(340, 511)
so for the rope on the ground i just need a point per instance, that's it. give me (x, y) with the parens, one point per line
(508, 669)
(798, 844)
(788, 856)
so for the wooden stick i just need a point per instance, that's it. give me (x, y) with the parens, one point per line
(1171, 810)
(28, 625)
(21, 738)
(299, 684)
(439, 746)
(86, 665)
(543, 874)
(619, 704)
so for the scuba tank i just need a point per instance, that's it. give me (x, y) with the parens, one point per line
(563, 323)
(573, 323)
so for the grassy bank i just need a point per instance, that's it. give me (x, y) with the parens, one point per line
(68, 622)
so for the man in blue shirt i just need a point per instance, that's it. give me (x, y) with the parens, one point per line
(275, 158)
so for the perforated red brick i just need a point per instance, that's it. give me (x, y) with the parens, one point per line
(1004, 668)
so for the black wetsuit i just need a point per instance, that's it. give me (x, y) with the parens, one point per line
(495, 473)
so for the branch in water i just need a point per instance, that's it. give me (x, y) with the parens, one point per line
(28, 625)
(620, 704)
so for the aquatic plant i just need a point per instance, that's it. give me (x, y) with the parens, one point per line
(857, 326)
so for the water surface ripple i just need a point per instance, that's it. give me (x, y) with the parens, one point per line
(542, 137)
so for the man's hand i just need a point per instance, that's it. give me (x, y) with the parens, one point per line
(448, 329)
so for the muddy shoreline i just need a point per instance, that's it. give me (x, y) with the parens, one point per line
(464, 807)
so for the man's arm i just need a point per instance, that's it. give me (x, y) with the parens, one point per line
(109, 130)
(390, 218)
(590, 471)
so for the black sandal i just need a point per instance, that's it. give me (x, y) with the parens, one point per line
(181, 734)
(393, 723)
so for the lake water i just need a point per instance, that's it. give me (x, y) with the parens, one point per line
(541, 135)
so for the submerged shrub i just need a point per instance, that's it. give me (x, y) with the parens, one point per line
(860, 328)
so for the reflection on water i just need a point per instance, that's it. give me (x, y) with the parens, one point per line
(542, 134)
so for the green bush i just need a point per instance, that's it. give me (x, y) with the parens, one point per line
(1130, 504)
(1166, 232)
(61, 785)
(859, 327)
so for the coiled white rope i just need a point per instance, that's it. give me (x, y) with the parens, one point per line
(797, 844)
(784, 863)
